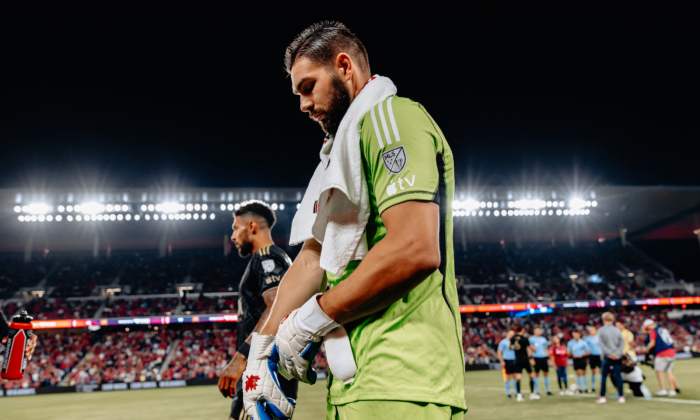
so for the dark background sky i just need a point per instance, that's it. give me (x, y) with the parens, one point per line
(135, 96)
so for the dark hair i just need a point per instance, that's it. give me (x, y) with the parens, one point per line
(258, 208)
(517, 327)
(322, 42)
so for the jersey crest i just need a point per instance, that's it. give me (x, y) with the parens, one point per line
(268, 265)
(395, 159)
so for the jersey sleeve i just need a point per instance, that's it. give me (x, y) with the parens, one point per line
(269, 272)
(652, 335)
(400, 145)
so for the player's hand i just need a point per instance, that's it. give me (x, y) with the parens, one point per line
(299, 338)
(532, 362)
(503, 365)
(29, 350)
(263, 398)
(231, 374)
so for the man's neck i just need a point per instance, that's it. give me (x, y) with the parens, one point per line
(262, 242)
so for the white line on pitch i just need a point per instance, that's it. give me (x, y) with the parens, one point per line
(666, 400)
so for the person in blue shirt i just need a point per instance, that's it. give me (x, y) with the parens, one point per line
(541, 356)
(578, 350)
(594, 356)
(507, 358)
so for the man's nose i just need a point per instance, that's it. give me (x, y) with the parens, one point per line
(306, 104)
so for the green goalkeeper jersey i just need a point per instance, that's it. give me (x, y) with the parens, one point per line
(412, 350)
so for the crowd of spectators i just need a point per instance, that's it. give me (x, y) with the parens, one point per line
(140, 307)
(52, 359)
(201, 354)
(123, 357)
(208, 305)
(60, 308)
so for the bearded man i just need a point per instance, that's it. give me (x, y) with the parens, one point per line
(376, 225)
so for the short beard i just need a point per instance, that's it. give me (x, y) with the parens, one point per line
(339, 104)
(246, 249)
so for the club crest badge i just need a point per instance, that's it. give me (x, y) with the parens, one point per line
(395, 160)
(268, 265)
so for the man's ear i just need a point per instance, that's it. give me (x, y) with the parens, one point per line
(344, 66)
(252, 227)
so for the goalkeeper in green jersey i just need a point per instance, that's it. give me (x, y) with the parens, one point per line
(399, 302)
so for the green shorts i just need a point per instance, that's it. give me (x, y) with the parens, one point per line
(393, 410)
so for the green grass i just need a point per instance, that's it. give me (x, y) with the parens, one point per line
(485, 397)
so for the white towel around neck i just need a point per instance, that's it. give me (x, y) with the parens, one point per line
(338, 186)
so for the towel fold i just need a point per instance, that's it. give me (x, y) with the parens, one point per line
(335, 207)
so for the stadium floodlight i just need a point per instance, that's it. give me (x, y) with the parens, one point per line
(189, 206)
(298, 205)
(197, 207)
(155, 217)
(169, 207)
(482, 204)
(120, 217)
(559, 212)
(222, 207)
(32, 218)
(281, 206)
(212, 216)
(204, 207)
(41, 217)
(496, 213)
(171, 216)
(489, 204)
(127, 217)
(594, 203)
(20, 218)
(77, 208)
(144, 207)
(109, 207)
(151, 207)
(577, 203)
(195, 216)
(549, 204)
(91, 208)
(230, 207)
(136, 217)
(551, 212)
(274, 206)
(529, 204)
(59, 218)
(61, 209)
(147, 217)
(237, 206)
(495, 204)
(561, 204)
(188, 216)
(566, 212)
(36, 208)
(488, 213)
(101, 217)
(69, 218)
(481, 212)
(18, 209)
(69, 209)
(181, 207)
(49, 218)
(78, 218)
(204, 216)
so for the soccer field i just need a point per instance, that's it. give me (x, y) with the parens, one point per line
(485, 397)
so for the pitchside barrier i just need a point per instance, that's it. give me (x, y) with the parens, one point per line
(531, 308)
(107, 387)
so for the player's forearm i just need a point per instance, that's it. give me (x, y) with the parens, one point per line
(391, 269)
(303, 279)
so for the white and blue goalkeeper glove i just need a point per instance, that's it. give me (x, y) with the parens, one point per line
(263, 397)
(299, 338)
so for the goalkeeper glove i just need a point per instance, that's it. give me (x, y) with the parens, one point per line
(299, 338)
(263, 397)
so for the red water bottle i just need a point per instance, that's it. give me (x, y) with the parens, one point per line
(15, 361)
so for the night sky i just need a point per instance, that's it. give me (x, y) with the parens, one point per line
(130, 96)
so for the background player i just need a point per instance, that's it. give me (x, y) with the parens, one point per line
(541, 355)
(252, 226)
(560, 359)
(628, 337)
(523, 355)
(507, 359)
(661, 342)
(578, 350)
(594, 356)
